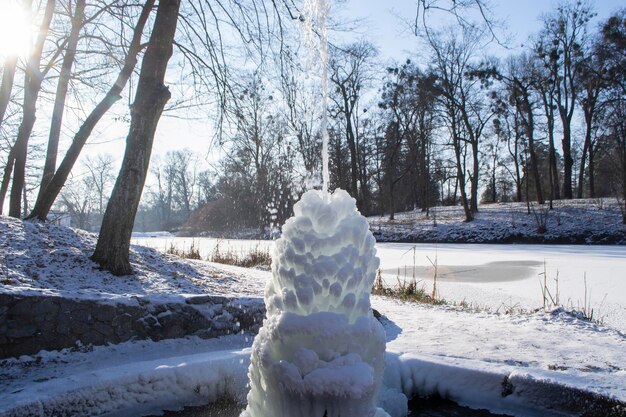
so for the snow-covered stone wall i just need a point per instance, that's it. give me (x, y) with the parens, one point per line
(30, 323)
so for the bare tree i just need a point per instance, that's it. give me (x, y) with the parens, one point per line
(61, 93)
(519, 78)
(112, 248)
(465, 112)
(299, 112)
(560, 47)
(78, 200)
(49, 194)
(101, 176)
(611, 52)
(350, 73)
(545, 88)
(32, 87)
(181, 166)
(593, 85)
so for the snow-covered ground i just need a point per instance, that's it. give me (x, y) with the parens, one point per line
(48, 259)
(594, 221)
(507, 363)
(464, 356)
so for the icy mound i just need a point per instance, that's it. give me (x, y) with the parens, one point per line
(320, 349)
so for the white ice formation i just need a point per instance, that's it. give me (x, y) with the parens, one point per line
(320, 351)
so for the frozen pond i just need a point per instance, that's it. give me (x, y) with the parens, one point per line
(511, 276)
(500, 277)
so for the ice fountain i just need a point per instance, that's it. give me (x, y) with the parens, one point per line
(320, 351)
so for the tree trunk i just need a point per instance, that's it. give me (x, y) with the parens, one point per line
(530, 133)
(461, 180)
(6, 177)
(392, 198)
(568, 162)
(518, 175)
(113, 246)
(8, 75)
(623, 155)
(46, 199)
(583, 160)
(589, 108)
(553, 167)
(61, 94)
(494, 184)
(474, 179)
(32, 86)
(592, 179)
(31, 92)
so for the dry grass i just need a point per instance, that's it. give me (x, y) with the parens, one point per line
(255, 258)
(406, 291)
(192, 253)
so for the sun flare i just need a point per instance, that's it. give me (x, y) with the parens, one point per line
(15, 30)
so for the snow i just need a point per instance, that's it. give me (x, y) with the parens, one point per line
(466, 355)
(159, 234)
(572, 221)
(130, 379)
(38, 258)
(320, 350)
(459, 354)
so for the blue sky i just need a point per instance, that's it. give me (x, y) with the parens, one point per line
(385, 26)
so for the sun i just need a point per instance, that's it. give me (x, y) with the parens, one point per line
(15, 30)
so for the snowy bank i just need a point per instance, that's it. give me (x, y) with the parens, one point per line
(571, 222)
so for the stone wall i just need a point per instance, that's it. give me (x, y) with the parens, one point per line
(29, 324)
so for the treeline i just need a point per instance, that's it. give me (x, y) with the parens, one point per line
(448, 126)
(451, 126)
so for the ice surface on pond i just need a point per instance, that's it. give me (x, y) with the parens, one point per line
(320, 349)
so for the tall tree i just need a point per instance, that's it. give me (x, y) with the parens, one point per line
(519, 77)
(466, 113)
(32, 87)
(592, 86)
(611, 52)
(61, 93)
(113, 246)
(350, 72)
(545, 87)
(101, 177)
(561, 49)
(47, 196)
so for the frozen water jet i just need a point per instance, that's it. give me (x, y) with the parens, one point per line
(320, 350)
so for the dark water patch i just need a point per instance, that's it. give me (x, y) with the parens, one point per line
(419, 407)
(440, 407)
(220, 408)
